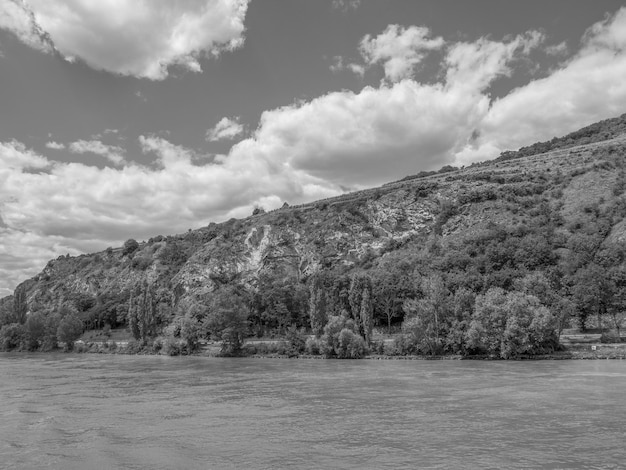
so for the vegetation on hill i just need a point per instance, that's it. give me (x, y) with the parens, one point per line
(495, 259)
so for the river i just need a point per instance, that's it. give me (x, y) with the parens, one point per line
(150, 412)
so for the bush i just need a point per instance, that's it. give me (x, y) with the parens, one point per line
(133, 347)
(351, 345)
(172, 346)
(141, 263)
(296, 341)
(12, 336)
(609, 337)
(341, 340)
(312, 346)
(130, 246)
(264, 349)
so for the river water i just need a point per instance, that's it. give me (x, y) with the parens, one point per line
(149, 412)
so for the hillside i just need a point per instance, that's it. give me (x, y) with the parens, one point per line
(546, 217)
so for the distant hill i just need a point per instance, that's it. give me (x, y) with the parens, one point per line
(554, 209)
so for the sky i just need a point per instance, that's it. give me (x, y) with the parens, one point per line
(132, 118)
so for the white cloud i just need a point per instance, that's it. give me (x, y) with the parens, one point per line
(587, 88)
(338, 65)
(346, 5)
(557, 50)
(55, 145)
(17, 17)
(225, 129)
(399, 49)
(360, 139)
(110, 152)
(475, 65)
(140, 38)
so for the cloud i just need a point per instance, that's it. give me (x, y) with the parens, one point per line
(139, 38)
(361, 139)
(225, 129)
(110, 152)
(399, 49)
(474, 65)
(55, 145)
(587, 88)
(557, 50)
(346, 5)
(17, 17)
(338, 65)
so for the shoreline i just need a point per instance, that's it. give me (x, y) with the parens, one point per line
(604, 352)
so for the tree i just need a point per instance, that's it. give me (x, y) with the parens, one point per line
(35, 330)
(130, 246)
(69, 330)
(592, 292)
(6, 310)
(511, 324)
(388, 295)
(360, 288)
(341, 340)
(20, 306)
(366, 315)
(142, 313)
(12, 336)
(462, 310)
(617, 307)
(49, 340)
(227, 319)
(488, 322)
(317, 306)
(427, 317)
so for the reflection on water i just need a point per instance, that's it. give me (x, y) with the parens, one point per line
(89, 411)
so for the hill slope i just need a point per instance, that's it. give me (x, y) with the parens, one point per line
(554, 208)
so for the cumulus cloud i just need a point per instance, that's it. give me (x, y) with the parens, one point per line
(17, 17)
(225, 129)
(140, 38)
(399, 49)
(55, 145)
(111, 152)
(586, 88)
(474, 65)
(379, 134)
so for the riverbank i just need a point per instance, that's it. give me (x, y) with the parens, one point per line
(571, 352)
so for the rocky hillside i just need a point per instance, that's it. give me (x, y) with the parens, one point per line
(544, 204)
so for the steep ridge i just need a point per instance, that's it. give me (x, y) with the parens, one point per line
(532, 196)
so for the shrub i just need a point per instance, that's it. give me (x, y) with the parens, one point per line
(172, 346)
(130, 246)
(295, 341)
(609, 337)
(351, 345)
(12, 336)
(141, 263)
(341, 340)
(312, 346)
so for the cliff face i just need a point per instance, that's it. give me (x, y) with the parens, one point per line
(578, 176)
